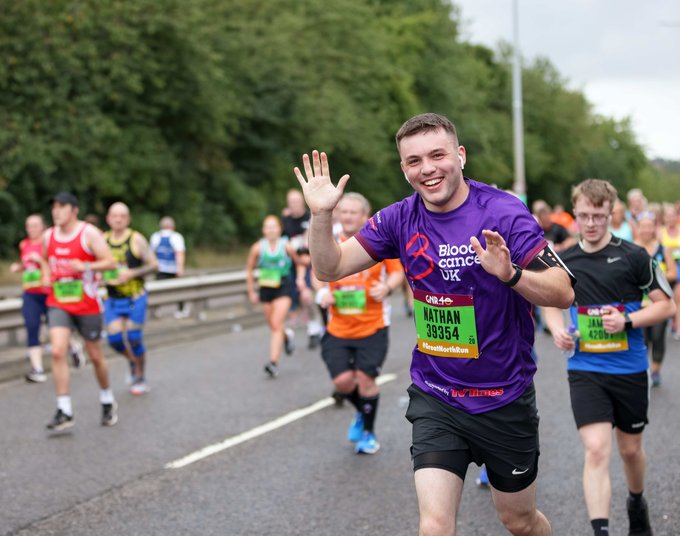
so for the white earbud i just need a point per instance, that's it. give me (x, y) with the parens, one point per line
(406, 177)
(462, 162)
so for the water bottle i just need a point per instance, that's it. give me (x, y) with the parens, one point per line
(571, 330)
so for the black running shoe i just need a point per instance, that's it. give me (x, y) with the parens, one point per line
(77, 354)
(272, 369)
(60, 422)
(638, 518)
(109, 414)
(289, 341)
(314, 342)
(338, 399)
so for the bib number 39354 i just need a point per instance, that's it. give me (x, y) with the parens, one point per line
(445, 324)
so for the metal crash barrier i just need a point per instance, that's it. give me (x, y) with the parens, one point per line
(201, 293)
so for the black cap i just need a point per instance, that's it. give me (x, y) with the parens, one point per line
(65, 198)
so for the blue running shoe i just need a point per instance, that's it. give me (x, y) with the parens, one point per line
(356, 428)
(483, 479)
(368, 444)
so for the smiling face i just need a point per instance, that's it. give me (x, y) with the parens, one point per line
(431, 162)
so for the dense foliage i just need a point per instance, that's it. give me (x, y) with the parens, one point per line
(200, 108)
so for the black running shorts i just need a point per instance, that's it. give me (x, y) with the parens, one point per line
(366, 354)
(268, 294)
(505, 439)
(621, 399)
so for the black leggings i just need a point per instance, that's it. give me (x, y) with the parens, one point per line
(655, 337)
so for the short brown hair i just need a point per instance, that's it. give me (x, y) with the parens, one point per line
(426, 123)
(597, 191)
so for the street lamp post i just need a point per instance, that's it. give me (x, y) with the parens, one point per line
(519, 185)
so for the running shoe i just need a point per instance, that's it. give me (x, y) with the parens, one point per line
(288, 341)
(356, 428)
(638, 518)
(60, 421)
(140, 387)
(272, 369)
(368, 444)
(483, 478)
(183, 313)
(130, 374)
(314, 342)
(109, 414)
(338, 399)
(77, 354)
(36, 376)
(656, 379)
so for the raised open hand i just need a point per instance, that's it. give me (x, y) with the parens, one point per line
(317, 187)
(495, 259)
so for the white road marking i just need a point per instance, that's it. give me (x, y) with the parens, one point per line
(262, 429)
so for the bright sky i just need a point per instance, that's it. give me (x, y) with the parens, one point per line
(623, 54)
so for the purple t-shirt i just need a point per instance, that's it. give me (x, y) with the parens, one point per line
(457, 300)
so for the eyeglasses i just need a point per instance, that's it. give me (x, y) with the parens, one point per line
(597, 219)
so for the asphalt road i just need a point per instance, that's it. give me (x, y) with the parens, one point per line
(301, 478)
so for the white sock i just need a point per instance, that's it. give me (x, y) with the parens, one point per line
(106, 396)
(64, 404)
(314, 327)
(35, 357)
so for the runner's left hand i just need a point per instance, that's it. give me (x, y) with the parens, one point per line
(495, 259)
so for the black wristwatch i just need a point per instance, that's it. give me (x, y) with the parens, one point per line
(515, 278)
(628, 322)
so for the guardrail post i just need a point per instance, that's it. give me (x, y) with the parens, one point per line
(12, 338)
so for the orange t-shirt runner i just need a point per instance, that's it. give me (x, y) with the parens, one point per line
(355, 314)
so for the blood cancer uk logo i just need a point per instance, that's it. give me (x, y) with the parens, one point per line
(453, 259)
(422, 264)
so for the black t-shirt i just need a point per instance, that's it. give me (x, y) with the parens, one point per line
(619, 272)
(294, 229)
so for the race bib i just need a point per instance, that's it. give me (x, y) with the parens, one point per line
(350, 301)
(594, 339)
(68, 291)
(111, 275)
(270, 278)
(445, 324)
(31, 279)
